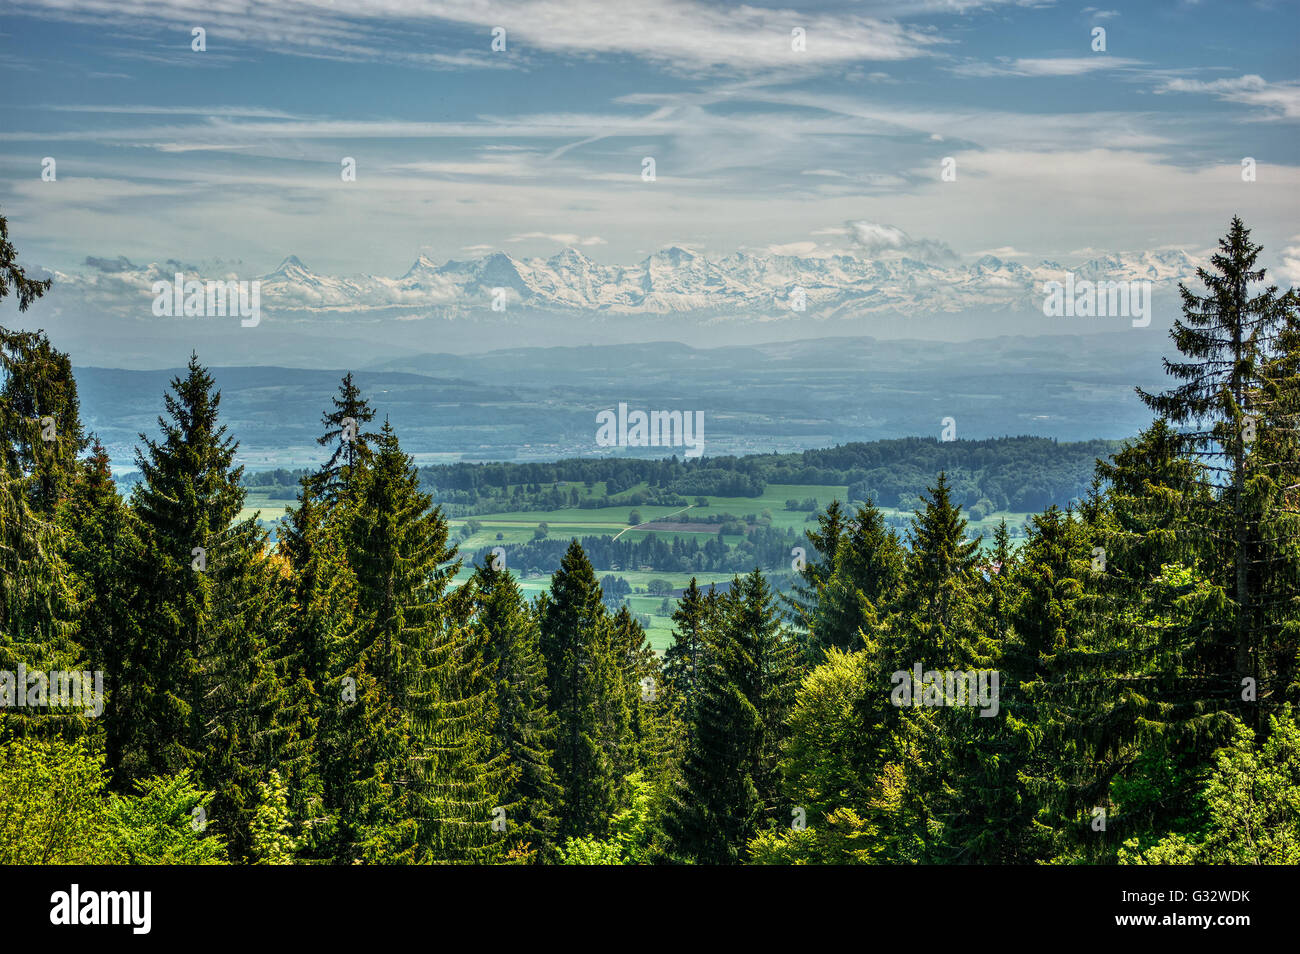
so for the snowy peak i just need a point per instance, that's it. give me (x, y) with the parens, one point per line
(422, 265)
(673, 257)
(1162, 266)
(676, 280)
(292, 266)
(570, 258)
(499, 270)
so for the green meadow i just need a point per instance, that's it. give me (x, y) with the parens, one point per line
(518, 527)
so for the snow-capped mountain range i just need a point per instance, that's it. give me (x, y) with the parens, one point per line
(673, 281)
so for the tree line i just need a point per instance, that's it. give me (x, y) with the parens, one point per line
(1019, 474)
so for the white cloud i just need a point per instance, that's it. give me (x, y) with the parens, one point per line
(1289, 266)
(563, 238)
(1047, 66)
(1282, 100)
(688, 34)
(229, 112)
(882, 241)
(1004, 128)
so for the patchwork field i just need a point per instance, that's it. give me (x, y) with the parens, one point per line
(514, 528)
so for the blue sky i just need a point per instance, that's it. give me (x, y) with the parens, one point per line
(233, 154)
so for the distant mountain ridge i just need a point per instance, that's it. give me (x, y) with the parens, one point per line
(672, 281)
(541, 404)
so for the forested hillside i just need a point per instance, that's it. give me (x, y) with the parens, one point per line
(1122, 688)
(1010, 473)
(1013, 473)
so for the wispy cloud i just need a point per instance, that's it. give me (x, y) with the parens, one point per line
(682, 34)
(562, 238)
(240, 112)
(757, 145)
(1046, 66)
(1281, 100)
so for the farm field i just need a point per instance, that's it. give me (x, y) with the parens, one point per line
(513, 528)
(519, 526)
(266, 508)
(659, 632)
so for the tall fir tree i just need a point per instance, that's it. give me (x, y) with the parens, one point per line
(197, 686)
(345, 433)
(862, 587)
(940, 624)
(40, 416)
(320, 634)
(418, 735)
(102, 537)
(684, 660)
(1163, 691)
(1276, 487)
(589, 696)
(730, 787)
(524, 731)
(38, 624)
(1226, 337)
(832, 524)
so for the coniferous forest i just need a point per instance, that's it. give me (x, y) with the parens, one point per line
(1126, 689)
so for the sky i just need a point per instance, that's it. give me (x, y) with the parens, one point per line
(233, 153)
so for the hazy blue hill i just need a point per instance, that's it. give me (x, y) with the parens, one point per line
(541, 403)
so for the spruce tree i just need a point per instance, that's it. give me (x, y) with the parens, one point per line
(197, 687)
(418, 736)
(344, 425)
(942, 570)
(1162, 688)
(524, 732)
(38, 626)
(642, 681)
(656, 729)
(1030, 770)
(1276, 487)
(940, 624)
(102, 537)
(38, 596)
(685, 658)
(13, 277)
(320, 637)
(588, 694)
(40, 416)
(1226, 337)
(730, 787)
(998, 570)
(831, 527)
(862, 586)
